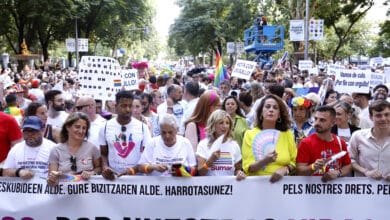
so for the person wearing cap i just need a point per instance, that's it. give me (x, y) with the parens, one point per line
(36, 91)
(380, 92)
(30, 156)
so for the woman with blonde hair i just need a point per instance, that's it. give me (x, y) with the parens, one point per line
(195, 125)
(74, 155)
(219, 154)
(347, 121)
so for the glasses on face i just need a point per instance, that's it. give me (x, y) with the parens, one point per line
(80, 107)
(123, 135)
(73, 167)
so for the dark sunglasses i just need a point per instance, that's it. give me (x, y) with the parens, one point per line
(81, 107)
(73, 167)
(123, 135)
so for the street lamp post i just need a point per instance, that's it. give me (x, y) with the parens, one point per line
(76, 46)
(307, 30)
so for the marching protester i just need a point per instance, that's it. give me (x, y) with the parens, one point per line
(122, 139)
(346, 120)
(319, 153)
(74, 155)
(219, 154)
(370, 148)
(301, 115)
(168, 154)
(274, 121)
(31, 156)
(56, 108)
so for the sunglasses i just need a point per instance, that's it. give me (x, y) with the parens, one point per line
(81, 107)
(123, 135)
(73, 167)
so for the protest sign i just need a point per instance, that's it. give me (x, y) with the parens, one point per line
(130, 79)
(243, 69)
(305, 65)
(352, 81)
(297, 28)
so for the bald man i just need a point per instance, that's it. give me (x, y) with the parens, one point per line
(87, 105)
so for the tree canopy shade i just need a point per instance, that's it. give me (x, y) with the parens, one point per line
(204, 26)
(41, 22)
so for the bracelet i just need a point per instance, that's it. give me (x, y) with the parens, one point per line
(205, 166)
(288, 171)
(146, 170)
(313, 167)
(132, 171)
(17, 173)
(340, 174)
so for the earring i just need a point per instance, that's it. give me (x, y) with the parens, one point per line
(279, 120)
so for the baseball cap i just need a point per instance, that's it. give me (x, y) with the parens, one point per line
(32, 122)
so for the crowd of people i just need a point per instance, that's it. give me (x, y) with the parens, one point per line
(183, 125)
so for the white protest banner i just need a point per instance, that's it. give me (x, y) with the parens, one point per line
(313, 71)
(377, 79)
(334, 69)
(316, 29)
(243, 69)
(297, 28)
(217, 197)
(82, 45)
(387, 74)
(100, 77)
(350, 81)
(230, 47)
(130, 79)
(305, 65)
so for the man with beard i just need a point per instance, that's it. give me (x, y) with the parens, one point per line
(380, 92)
(146, 101)
(172, 105)
(122, 139)
(370, 148)
(316, 150)
(56, 108)
(30, 156)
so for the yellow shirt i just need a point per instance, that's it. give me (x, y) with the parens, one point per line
(285, 148)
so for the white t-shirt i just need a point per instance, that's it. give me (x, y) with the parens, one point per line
(58, 121)
(230, 155)
(123, 155)
(156, 152)
(33, 158)
(94, 130)
(188, 110)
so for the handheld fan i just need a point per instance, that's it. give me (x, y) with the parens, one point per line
(264, 142)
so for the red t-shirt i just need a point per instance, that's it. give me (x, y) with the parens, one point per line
(312, 148)
(9, 131)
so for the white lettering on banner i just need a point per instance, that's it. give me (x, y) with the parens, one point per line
(305, 65)
(140, 197)
(350, 81)
(243, 69)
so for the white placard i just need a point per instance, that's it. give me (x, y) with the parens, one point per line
(387, 74)
(297, 30)
(100, 77)
(376, 79)
(350, 81)
(230, 47)
(212, 197)
(82, 45)
(243, 69)
(316, 29)
(130, 79)
(305, 65)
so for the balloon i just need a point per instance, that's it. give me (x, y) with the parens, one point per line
(122, 50)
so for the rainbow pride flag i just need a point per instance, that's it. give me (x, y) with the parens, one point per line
(220, 70)
(117, 82)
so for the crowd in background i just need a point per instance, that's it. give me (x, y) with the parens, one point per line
(184, 125)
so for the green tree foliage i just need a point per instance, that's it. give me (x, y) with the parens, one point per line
(205, 26)
(41, 22)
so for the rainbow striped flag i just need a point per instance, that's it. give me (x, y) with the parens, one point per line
(117, 82)
(220, 71)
